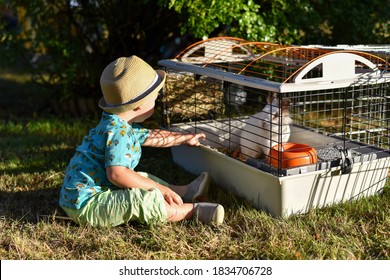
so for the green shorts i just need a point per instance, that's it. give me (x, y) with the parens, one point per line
(115, 207)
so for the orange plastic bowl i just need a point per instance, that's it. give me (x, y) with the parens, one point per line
(288, 155)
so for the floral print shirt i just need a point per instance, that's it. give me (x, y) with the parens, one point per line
(112, 142)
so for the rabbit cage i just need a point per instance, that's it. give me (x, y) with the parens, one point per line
(287, 128)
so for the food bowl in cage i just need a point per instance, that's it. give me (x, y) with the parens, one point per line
(288, 155)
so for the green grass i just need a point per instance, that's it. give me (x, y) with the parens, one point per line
(34, 154)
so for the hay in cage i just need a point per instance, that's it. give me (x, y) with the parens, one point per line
(188, 98)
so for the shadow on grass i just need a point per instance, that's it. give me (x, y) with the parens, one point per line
(31, 205)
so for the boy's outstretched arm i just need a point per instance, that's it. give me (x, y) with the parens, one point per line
(165, 138)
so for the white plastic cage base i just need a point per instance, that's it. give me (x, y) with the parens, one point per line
(283, 196)
(286, 195)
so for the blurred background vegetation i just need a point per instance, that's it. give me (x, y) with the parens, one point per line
(51, 56)
(59, 48)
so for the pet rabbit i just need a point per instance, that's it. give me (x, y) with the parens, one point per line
(266, 129)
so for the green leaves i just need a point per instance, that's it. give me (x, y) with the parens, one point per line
(204, 17)
(287, 21)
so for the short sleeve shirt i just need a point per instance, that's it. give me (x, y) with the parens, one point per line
(113, 142)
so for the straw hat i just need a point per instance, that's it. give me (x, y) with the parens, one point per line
(127, 83)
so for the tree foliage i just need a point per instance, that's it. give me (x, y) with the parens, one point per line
(350, 22)
(252, 20)
(68, 43)
(288, 21)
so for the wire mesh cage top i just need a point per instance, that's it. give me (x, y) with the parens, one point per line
(281, 64)
(281, 108)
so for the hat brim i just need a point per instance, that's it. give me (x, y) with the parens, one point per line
(151, 95)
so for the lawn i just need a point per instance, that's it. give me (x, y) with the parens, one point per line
(35, 150)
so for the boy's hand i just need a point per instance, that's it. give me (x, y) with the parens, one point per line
(171, 197)
(194, 141)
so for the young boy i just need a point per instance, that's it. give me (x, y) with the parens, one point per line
(101, 187)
